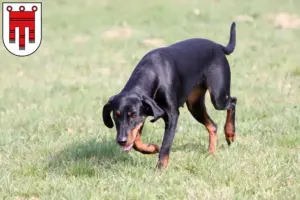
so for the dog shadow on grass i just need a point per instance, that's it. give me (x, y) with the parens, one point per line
(83, 159)
(87, 158)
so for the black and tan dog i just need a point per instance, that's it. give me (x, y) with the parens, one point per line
(162, 82)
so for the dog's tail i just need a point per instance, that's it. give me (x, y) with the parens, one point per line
(231, 45)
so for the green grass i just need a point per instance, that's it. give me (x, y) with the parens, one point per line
(67, 81)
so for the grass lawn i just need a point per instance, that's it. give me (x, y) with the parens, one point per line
(54, 145)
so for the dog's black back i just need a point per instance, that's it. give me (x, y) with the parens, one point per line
(180, 67)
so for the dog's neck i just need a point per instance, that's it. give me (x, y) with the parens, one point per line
(141, 82)
(138, 89)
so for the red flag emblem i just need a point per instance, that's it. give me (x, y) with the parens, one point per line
(22, 27)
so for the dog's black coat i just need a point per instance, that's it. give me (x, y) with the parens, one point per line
(163, 80)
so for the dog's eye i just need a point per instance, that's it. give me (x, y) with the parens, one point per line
(118, 113)
(133, 116)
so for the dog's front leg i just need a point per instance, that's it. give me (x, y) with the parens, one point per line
(171, 120)
(142, 147)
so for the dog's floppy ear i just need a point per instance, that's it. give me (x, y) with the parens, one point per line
(155, 110)
(107, 108)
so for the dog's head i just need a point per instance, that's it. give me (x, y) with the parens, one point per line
(129, 113)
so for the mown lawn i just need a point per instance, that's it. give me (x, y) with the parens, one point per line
(53, 142)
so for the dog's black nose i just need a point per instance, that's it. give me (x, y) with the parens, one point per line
(122, 141)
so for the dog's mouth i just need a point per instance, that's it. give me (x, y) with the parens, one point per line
(131, 138)
(126, 147)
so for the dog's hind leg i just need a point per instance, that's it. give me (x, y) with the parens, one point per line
(218, 82)
(229, 127)
(196, 106)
